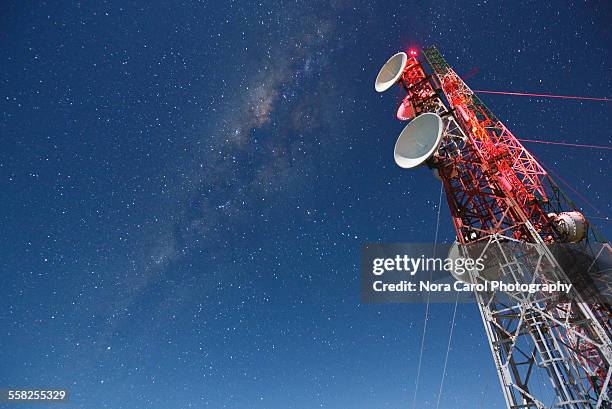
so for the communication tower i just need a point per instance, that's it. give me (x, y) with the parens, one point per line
(550, 351)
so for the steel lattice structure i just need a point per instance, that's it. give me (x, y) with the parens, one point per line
(548, 351)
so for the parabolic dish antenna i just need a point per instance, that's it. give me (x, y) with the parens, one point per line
(405, 111)
(490, 272)
(453, 254)
(390, 72)
(418, 141)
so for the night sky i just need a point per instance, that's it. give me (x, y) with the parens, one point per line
(186, 187)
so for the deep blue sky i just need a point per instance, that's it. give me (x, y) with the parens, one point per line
(186, 187)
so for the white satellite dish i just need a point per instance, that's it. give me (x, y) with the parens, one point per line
(406, 111)
(491, 271)
(390, 73)
(418, 141)
(453, 254)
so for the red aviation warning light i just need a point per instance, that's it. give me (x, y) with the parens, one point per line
(412, 52)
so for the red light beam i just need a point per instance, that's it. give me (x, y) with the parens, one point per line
(526, 94)
(578, 145)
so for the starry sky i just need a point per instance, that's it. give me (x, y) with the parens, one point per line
(186, 187)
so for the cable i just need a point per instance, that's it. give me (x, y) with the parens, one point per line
(416, 384)
(525, 94)
(584, 199)
(599, 218)
(438, 218)
(450, 338)
(578, 145)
